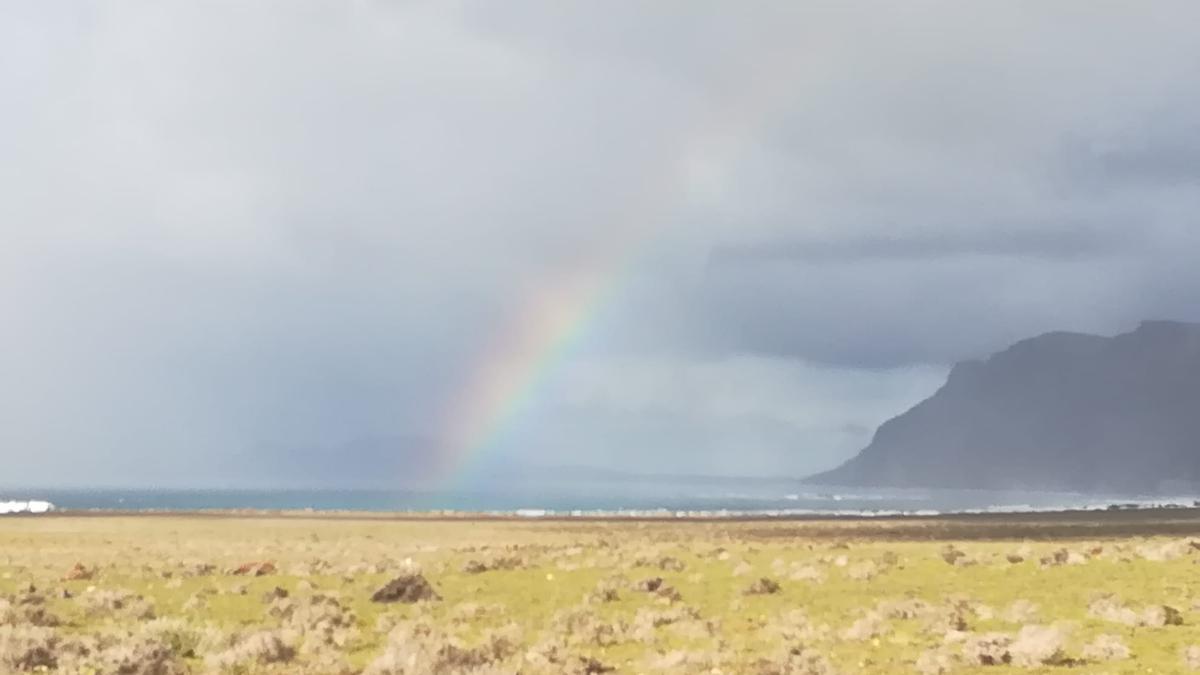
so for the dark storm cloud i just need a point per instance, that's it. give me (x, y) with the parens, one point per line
(1166, 153)
(228, 227)
(1050, 243)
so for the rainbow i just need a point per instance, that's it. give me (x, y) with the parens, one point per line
(553, 320)
(533, 343)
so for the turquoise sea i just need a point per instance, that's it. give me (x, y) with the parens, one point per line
(657, 495)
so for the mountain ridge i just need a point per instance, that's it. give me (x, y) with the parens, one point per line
(1062, 410)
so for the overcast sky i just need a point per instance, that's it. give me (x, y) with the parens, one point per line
(228, 226)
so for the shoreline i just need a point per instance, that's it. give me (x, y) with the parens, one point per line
(1157, 512)
(1064, 525)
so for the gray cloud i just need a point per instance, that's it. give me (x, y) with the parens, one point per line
(228, 227)
(1051, 242)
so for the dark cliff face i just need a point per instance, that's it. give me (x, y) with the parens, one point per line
(1058, 411)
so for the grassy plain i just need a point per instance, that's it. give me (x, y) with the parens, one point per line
(1085, 593)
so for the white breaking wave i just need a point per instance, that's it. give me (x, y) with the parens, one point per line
(1136, 504)
(30, 506)
(839, 497)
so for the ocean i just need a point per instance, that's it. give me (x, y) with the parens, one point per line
(625, 497)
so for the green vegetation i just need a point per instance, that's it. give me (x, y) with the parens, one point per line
(158, 594)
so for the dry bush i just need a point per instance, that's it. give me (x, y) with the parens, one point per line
(183, 639)
(140, 654)
(1191, 657)
(1039, 645)
(904, 608)
(438, 654)
(321, 620)
(117, 603)
(1055, 558)
(681, 661)
(659, 588)
(936, 662)
(646, 621)
(1063, 556)
(950, 554)
(1109, 608)
(494, 564)
(793, 627)
(763, 586)
(797, 661)
(1033, 646)
(28, 609)
(868, 627)
(260, 648)
(1171, 550)
(28, 648)
(944, 618)
(607, 590)
(1020, 611)
(671, 564)
(987, 649)
(473, 611)
(550, 658)
(808, 573)
(274, 594)
(1106, 648)
(199, 570)
(863, 571)
(583, 626)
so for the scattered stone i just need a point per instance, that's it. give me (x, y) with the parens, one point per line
(763, 586)
(648, 585)
(408, 588)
